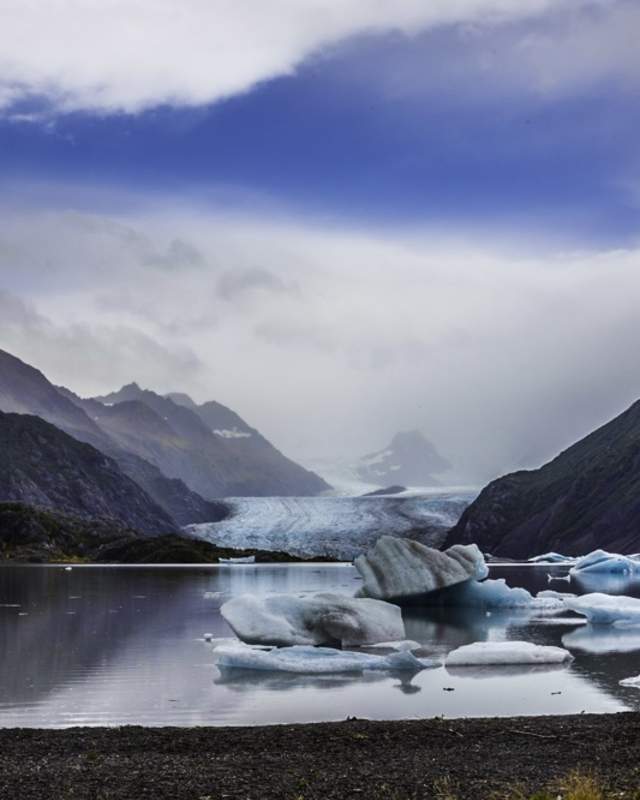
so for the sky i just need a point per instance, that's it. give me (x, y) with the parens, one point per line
(342, 218)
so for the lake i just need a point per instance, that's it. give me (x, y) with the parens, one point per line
(116, 645)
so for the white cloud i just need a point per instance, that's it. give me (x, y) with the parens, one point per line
(128, 55)
(502, 359)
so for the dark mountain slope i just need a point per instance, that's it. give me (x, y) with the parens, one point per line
(209, 447)
(24, 389)
(587, 497)
(42, 466)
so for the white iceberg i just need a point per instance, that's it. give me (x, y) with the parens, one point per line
(634, 682)
(550, 558)
(498, 653)
(602, 561)
(238, 560)
(606, 609)
(315, 660)
(396, 568)
(285, 619)
(601, 639)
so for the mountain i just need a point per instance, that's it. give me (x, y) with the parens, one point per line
(25, 390)
(208, 446)
(587, 497)
(410, 459)
(42, 466)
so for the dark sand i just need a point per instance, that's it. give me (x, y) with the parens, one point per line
(475, 758)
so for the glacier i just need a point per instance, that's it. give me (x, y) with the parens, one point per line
(303, 659)
(397, 568)
(499, 653)
(324, 618)
(336, 527)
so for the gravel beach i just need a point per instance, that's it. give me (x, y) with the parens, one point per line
(436, 758)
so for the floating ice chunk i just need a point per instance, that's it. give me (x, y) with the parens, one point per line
(395, 568)
(606, 609)
(316, 660)
(238, 560)
(480, 653)
(405, 644)
(553, 594)
(550, 558)
(208, 637)
(634, 682)
(285, 619)
(602, 561)
(492, 594)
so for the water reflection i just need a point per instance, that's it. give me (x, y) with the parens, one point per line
(102, 645)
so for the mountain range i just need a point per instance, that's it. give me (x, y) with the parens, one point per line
(178, 455)
(585, 498)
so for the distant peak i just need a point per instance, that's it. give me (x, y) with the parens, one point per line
(181, 399)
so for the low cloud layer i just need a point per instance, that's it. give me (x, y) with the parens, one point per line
(115, 55)
(330, 340)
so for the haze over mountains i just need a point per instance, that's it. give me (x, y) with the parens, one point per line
(182, 456)
(409, 459)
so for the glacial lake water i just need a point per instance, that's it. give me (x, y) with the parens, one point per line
(102, 645)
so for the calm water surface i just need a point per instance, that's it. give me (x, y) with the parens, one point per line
(123, 645)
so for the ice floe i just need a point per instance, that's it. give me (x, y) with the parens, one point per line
(396, 568)
(494, 594)
(602, 561)
(634, 682)
(550, 558)
(481, 653)
(325, 618)
(304, 659)
(606, 609)
(601, 639)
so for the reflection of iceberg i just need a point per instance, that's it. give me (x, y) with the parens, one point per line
(250, 680)
(501, 670)
(604, 609)
(305, 660)
(597, 639)
(325, 618)
(505, 653)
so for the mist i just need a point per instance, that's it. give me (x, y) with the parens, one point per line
(330, 340)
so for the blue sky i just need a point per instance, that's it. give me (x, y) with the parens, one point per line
(454, 147)
(374, 216)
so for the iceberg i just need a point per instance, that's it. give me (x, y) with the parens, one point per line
(396, 568)
(286, 619)
(634, 682)
(602, 561)
(494, 594)
(486, 653)
(606, 609)
(303, 659)
(600, 639)
(550, 558)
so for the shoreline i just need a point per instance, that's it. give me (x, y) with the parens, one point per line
(450, 759)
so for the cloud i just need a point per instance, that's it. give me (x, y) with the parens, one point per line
(118, 55)
(502, 358)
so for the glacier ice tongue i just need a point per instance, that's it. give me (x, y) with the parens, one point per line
(602, 561)
(304, 659)
(396, 568)
(325, 618)
(606, 609)
(498, 653)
